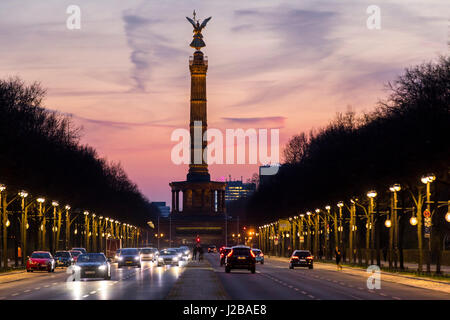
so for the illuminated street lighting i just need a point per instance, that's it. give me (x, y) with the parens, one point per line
(428, 179)
(67, 207)
(55, 203)
(447, 217)
(388, 223)
(413, 221)
(23, 194)
(340, 204)
(328, 208)
(2, 187)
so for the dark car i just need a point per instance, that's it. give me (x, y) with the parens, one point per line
(240, 257)
(75, 254)
(82, 250)
(41, 261)
(223, 254)
(301, 258)
(129, 257)
(259, 256)
(63, 258)
(212, 249)
(92, 265)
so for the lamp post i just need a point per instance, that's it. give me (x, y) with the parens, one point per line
(4, 226)
(54, 227)
(23, 229)
(101, 233)
(352, 229)
(94, 233)
(428, 179)
(86, 229)
(371, 195)
(67, 236)
(340, 204)
(327, 231)
(393, 232)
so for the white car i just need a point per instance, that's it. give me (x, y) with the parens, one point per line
(149, 254)
(169, 257)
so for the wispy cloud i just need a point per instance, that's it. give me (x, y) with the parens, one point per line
(269, 122)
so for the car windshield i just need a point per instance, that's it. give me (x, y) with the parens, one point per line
(129, 252)
(225, 251)
(75, 253)
(256, 251)
(91, 257)
(146, 251)
(40, 255)
(241, 251)
(80, 249)
(167, 252)
(62, 254)
(302, 254)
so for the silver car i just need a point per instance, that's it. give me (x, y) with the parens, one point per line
(169, 257)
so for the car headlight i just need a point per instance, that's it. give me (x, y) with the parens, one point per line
(160, 259)
(102, 268)
(136, 258)
(120, 258)
(151, 255)
(175, 259)
(186, 252)
(76, 268)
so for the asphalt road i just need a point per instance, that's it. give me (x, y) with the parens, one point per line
(274, 280)
(128, 283)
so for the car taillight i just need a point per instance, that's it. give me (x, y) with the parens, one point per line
(261, 254)
(229, 255)
(252, 253)
(294, 257)
(310, 257)
(221, 255)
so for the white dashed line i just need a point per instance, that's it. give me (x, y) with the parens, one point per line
(93, 292)
(382, 294)
(27, 291)
(37, 288)
(312, 297)
(54, 283)
(85, 296)
(46, 286)
(15, 294)
(396, 298)
(304, 292)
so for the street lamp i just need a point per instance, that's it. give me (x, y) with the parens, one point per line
(428, 179)
(23, 194)
(447, 217)
(413, 221)
(388, 223)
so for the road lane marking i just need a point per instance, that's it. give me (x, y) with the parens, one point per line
(15, 294)
(312, 297)
(85, 296)
(396, 298)
(93, 292)
(46, 286)
(382, 294)
(27, 291)
(37, 288)
(304, 292)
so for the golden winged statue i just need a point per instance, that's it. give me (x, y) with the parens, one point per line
(198, 42)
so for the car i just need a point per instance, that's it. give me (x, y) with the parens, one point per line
(186, 252)
(92, 265)
(169, 257)
(75, 254)
(129, 257)
(149, 254)
(212, 249)
(179, 251)
(259, 256)
(301, 258)
(41, 261)
(240, 257)
(63, 258)
(116, 256)
(83, 250)
(223, 254)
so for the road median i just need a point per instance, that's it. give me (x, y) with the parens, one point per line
(198, 282)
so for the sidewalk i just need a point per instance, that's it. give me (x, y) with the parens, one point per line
(188, 285)
(414, 281)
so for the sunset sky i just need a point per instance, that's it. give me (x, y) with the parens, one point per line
(290, 65)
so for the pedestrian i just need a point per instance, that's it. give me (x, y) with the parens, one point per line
(338, 258)
(200, 254)
(194, 255)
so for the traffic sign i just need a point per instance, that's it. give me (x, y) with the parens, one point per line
(276, 241)
(426, 213)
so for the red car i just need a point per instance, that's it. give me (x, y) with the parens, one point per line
(75, 254)
(41, 261)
